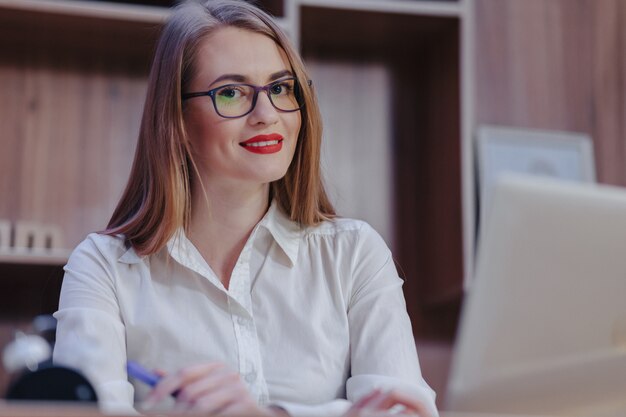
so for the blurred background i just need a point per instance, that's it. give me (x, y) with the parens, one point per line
(403, 86)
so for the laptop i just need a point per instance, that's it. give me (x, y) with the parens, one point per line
(543, 328)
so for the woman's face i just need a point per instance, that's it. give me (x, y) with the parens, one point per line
(258, 147)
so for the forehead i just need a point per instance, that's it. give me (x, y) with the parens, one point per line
(231, 50)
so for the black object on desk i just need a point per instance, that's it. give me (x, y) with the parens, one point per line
(40, 379)
(52, 383)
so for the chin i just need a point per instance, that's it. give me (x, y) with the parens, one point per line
(276, 177)
(270, 177)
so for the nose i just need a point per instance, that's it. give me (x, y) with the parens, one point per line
(264, 112)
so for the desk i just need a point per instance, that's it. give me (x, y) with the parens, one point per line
(31, 409)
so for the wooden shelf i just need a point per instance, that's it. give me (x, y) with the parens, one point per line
(88, 9)
(85, 32)
(34, 256)
(370, 33)
(138, 12)
(124, 33)
(73, 77)
(410, 7)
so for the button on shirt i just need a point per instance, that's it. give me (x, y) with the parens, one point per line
(313, 319)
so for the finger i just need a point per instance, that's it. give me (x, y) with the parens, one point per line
(220, 399)
(395, 398)
(366, 412)
(248, 407)
(367, 399)
(203, 386)
(358, 409)
(175, 381)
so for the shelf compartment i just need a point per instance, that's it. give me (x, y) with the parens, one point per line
(421, 55)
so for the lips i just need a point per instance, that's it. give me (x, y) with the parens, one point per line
(263, 144)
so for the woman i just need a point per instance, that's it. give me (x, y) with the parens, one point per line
(224, 265)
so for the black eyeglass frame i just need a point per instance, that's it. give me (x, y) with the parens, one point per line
(266, 88)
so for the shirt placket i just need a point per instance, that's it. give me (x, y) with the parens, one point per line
(240, 306)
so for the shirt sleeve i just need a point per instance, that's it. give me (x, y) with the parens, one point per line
(382, 348)
(334, 408)
(90, 331)
(383, 353)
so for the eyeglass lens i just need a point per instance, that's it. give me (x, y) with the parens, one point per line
(235, 100)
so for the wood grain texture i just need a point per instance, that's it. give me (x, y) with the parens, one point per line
(356, 151)
(421, 56)
(74, 92)
(557, 64)
(428, 183)
(67, 142)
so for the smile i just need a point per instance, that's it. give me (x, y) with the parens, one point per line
(263, 144)
(268, 143)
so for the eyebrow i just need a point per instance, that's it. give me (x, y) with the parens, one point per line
(238, 78)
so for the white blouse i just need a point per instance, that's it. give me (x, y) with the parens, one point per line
(313, 319)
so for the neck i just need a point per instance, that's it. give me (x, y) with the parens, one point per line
(222, 221)
(236, 208)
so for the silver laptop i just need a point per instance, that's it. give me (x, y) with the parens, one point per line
(543, 329)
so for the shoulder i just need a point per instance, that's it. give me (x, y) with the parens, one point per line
(336, 226)
(98, 247)
(356, 251)
(342, 225)
(358, 233)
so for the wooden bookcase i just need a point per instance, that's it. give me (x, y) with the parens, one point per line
(415, 49)
(398, 81)
(72, 84)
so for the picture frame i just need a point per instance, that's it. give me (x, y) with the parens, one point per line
(556, 154)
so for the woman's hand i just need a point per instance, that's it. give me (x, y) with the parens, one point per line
(385, 403)
(208, 388)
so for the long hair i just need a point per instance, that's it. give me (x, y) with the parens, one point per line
(157, 199)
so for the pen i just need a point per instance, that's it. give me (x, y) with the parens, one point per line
(140, 373)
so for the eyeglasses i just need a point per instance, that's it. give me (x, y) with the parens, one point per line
(237, 100)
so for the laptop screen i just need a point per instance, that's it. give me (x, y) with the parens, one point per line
(543, 329)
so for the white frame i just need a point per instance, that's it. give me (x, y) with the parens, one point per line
(5, 234)
(568, 155)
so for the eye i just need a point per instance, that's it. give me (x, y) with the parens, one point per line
(231, 92)
(282, 88)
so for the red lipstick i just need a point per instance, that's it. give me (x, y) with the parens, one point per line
(264, 144)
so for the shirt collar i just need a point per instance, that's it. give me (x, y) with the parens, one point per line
(130, 257)
(285, 232)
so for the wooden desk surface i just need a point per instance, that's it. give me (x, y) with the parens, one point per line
(32, 409)
(47, 409)
(27, 409)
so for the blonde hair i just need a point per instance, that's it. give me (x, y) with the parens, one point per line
(157, 198)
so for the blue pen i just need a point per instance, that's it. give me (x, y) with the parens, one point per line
(135, 370)
(140, 373)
